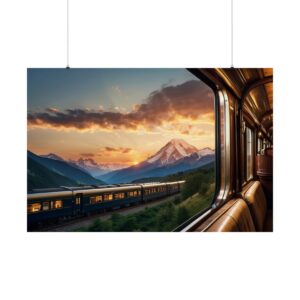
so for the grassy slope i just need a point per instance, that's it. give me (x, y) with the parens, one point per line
(195, 196)
(39, 176)
(175, 176)
(65, 169)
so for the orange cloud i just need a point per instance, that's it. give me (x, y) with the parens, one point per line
(119, 149)
(190, 100)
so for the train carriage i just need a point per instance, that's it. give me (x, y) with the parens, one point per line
(48, 206)
(45, 207)
(174, 187)
(154, 191)
(102, 199)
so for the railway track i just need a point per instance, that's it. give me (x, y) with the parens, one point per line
(71, 225)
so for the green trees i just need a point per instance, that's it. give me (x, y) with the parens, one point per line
(99, 225)
(197, 182)
(196, 195)
(165, 219)
(182, 215)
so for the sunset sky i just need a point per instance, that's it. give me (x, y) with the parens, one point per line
(116, 115)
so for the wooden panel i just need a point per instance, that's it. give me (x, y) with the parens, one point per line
(268, 72)
(269, 90)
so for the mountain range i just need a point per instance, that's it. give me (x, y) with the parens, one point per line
(176, 156)
(87, 165)
(51, 170)
(39, 176)
(42, 170)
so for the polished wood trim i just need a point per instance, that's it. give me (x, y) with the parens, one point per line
(252, 85)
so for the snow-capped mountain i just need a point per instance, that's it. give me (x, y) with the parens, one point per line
(171, 152)
(95, 169)
(88, 165)
(204, 152)
(176, 156)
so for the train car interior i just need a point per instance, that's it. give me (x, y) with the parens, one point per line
(244, 151)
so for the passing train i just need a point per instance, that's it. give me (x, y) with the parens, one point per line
(49, 206)
(243, 199)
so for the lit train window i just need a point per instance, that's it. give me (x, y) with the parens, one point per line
(77, 200)
(119, 195)
(46, 206)
(95, 199)
(35, 207)
(108, 197)
(56, 204)
(133, 193)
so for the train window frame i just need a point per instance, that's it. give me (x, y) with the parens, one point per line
(259, 147)
(222, 147)
(248, 125)
(249, 146)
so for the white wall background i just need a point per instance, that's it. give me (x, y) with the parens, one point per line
(120, 33)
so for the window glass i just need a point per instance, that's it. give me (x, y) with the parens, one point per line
(139, 127)
(249, 154)
(108, 197)
(77, 200)
(259, 145)
(35, 207)
(46, 206)
(119, 195)
(96, 199)
(57, 204)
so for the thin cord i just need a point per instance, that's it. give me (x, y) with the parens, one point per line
(231, 33)
(68, 34)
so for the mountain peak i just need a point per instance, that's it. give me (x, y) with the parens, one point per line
(205, 151)
(174, 150)
(52, 156)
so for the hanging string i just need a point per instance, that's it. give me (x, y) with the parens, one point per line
(231, 33)
(68, 34)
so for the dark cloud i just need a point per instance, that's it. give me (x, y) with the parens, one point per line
(52, 110)
(110, 149)
(119, 149)
(190, 100)
(126, 150)
(87, 154)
